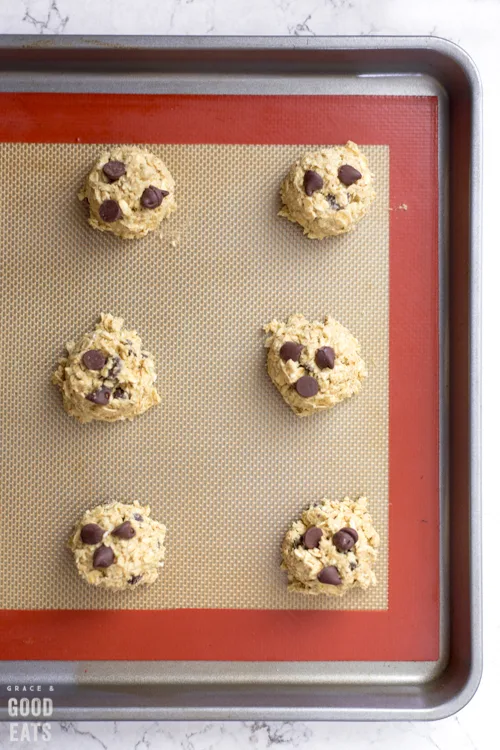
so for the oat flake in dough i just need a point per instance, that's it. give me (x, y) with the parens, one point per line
(334, 384)
(332, 208)
(135, 551)
(122, 388)
(143, 171)
(351, 553)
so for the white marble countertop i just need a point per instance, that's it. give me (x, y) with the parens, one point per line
(472, 23)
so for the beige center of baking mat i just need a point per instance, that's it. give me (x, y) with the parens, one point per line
(223, 461)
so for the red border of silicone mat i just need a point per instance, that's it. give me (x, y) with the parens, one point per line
(409, 629)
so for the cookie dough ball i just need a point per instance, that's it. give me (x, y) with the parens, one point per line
(331, 548)
(107, 375)
(129, 192)
(118, 546)
(327, 192)
(313, 365)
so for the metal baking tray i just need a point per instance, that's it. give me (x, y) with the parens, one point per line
(394, 66)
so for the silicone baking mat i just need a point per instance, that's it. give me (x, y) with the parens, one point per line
(223, 462)
(218, 459)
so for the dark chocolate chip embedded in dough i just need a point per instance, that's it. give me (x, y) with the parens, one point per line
(330, 575)
(114, 170)
(100, 397)
(103, 557)
(312, 182)
(290, 350)
(353, 565)
(325, 358)
(138, 517)
(115, 368)
(152, 197)
(134, 579)
(124, 531)
(306, 386)
(348, 175)
(110, 211)
(119, 393)
(352, 532)
(333, 202)
(91, 533)
(343, 541)
(94, 359)
(312, 537)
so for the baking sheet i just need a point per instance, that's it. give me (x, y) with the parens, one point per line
(223, 461)
(383, 85)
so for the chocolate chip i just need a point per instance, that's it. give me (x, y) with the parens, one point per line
(325, 357)
(353, 565)
(138, 517)
(100, 397)
(333, 202)
(312, 182)
(352, 532)
(119, 393)
(343, 541)
(91, 533)
(103, 557)
(348, 175)
(290, 350)
(330, 575)
(307, 386)
(152, 197)
(116, 367)
(114, 170)
(134, 579)
(94, 359)
(110, 211)
(312, 537)
(124, 531)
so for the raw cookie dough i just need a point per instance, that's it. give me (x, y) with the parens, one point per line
(118, 546)
(313, 365)
(106, 374)
(327, 192)
(129, 192)
(331, 548)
